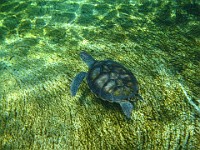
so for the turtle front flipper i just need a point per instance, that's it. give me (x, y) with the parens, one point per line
(76, 82)
(127, 108)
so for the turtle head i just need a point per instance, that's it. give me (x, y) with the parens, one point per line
(88, 59)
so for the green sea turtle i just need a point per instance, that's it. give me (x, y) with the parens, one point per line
(110, 81)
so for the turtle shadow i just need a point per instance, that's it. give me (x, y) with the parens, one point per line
(84, 100)
(114, 109)
(108, 105)
(89, 100)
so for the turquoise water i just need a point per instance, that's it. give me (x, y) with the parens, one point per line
(40, 42)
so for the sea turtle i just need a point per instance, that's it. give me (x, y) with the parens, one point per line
(109, 80)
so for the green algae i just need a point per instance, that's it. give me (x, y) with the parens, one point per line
(3, 32)
(25, 26)
(39, 57)
(39, 23)
(56, 35)
(11, 22)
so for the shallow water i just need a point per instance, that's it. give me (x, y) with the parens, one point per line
(40, 42)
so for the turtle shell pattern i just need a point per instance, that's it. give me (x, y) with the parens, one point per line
(111, 81)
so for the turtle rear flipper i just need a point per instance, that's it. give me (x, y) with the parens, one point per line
(76, 82)
(127, 108)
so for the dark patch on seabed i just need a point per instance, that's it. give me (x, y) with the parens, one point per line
(40, 43)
